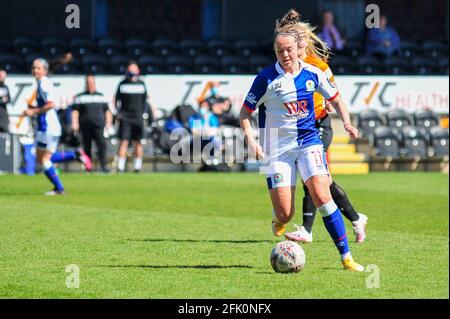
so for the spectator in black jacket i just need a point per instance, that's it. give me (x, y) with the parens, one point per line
(90, 116)
(4, 100)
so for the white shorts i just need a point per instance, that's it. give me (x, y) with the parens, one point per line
(47, 142)
(308, 161)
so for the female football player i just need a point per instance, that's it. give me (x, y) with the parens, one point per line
(317, 54)
(290, 141)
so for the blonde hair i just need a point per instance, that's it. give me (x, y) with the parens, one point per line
(290, 24)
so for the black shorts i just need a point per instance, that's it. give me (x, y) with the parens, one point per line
(131, 131)
(325, 131)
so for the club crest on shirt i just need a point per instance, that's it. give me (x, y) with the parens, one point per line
(278, 178)
(310, 86)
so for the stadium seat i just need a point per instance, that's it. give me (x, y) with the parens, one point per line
(206, 64)
(191, 47)
(367, 121)
(136, 47)
(118, 64)
(266, 47)
(423, 66)
(150, 64)
(415, 142)
(426, 119)
(10, 63)
(369, 65)
(443, 65)
(52, 47)
(178, 64)
(245, 47)
(93, 63)
(163, 47)
(386, 143)
(409, 49)
(70, 68)
(398, 118)
(258, 63)
(353, 49)
(433, 49)
(4, 46)
(24, 45)
(341, 64)
(109, 46)
(80, 46)
(218, 47)
(439, 141)
(233, 64)
(396, 65)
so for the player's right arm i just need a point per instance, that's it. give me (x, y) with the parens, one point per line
(255, 97)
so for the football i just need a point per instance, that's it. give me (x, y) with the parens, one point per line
(287, 256)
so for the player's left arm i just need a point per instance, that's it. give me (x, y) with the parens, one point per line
(328, 89)
(341, 109)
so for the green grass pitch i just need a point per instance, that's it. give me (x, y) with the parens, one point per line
(190, 235)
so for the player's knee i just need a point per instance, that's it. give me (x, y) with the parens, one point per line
(284, 215)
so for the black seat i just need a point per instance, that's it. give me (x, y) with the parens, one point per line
(367, 121)
(342, 64)
(191, 47)
(409, 49)
(443, 65)
(206, 64)
(24, 45)
(423, 66)
(118, 64)
(433, 49)
(150, 64)
(368, 64)
(136, 47)
(94, 63)
(398, 118)
(178, 64)
(53, 47)
(218, 47)
(10, 63)
(163, 47)
(80, 46)
(415, 142)
(245, 47)
(353, 49)
(439, 141)
(233, 64)
(395, 65)
(386, 143)
(69, 68)
(426, 119)
(109, 46)
(259, 62)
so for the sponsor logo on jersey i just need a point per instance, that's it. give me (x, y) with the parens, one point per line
(297, 109)
(251, 98)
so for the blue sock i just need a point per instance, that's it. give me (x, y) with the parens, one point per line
(334, 224)
(63, 157)
(53, 177)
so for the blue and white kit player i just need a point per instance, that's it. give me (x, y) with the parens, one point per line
(42, 105)
(290, 142)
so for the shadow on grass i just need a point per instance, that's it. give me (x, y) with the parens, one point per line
(228, 241)
(178, 266)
